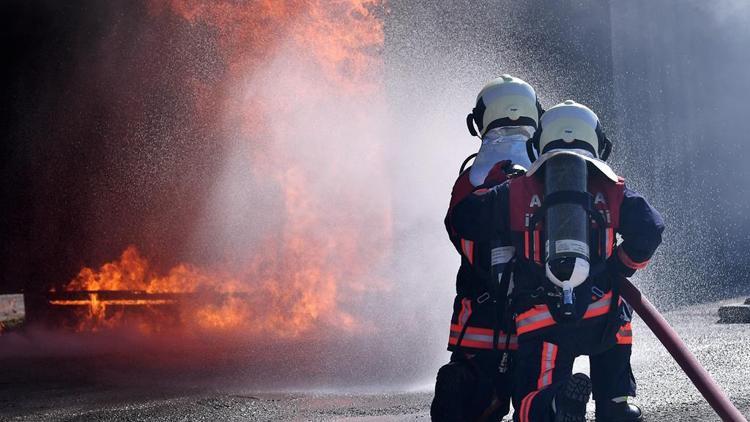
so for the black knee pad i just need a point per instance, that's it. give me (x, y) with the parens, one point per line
(464, 391)
(454, 389)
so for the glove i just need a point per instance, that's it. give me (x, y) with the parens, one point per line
(501, 172)
(497, 174)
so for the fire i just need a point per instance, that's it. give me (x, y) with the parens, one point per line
(295, 280)
(344, 37)
(201, 300)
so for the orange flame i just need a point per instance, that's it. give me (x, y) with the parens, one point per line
(204, 301)
(296, 281)
(344, 37)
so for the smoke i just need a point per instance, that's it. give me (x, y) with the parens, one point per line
(318, 175)
(226, 142)
(270, 169)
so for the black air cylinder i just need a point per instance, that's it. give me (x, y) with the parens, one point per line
(566, 225)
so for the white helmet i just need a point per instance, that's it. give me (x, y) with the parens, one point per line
(570, 128)
(505, 101)
(570, 125)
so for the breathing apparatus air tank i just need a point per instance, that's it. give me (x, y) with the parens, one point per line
(569, 139)
(567, 227)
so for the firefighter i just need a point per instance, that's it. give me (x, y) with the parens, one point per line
(562, 217)
(476, 382)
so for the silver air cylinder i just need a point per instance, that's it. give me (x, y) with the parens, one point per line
(567, 227)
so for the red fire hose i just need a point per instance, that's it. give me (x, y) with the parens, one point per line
(672, 342)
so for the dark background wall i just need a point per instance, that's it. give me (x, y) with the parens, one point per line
(100, 145)
(680, 79)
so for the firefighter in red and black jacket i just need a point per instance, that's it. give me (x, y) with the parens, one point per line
(562, 218)
(477, 381)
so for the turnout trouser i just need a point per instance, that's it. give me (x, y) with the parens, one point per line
(543, 363)
(471, 389)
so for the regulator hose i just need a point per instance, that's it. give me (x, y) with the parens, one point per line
(466, 161)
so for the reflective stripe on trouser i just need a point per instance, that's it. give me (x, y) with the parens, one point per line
(539, 316)
(541, 367)
(480, 338)
(547, 365)
(535, 359)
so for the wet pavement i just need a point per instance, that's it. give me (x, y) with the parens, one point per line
(70, 389)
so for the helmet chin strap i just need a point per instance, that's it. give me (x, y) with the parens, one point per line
(530, 149)
(470, 125)
(606, 149)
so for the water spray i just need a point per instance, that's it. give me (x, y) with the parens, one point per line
(681, 354)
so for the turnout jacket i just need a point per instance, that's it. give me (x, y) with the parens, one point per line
(503, 212)
(477, 323)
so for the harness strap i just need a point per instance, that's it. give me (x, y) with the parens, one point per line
(540, 316)
(501, 295)
(584, 199)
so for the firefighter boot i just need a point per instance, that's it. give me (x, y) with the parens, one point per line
(617, 411)
(570, 401)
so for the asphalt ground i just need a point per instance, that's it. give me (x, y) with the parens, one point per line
(38, 387)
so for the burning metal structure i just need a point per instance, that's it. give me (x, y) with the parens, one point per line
(126, 292)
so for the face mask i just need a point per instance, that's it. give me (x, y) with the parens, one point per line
(502, 143)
